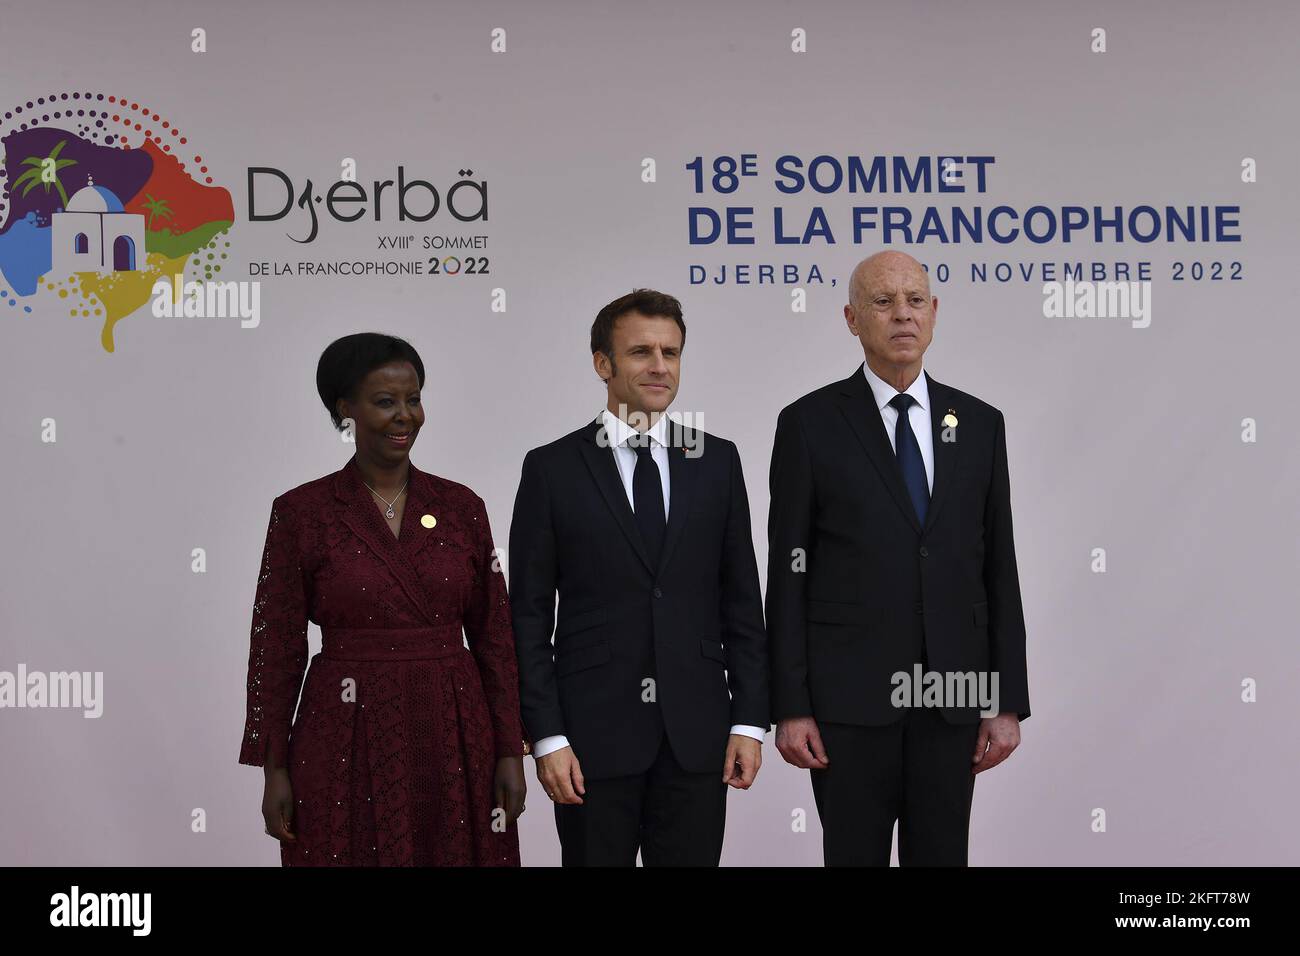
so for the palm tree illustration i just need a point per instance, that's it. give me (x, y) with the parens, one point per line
(156, 207)
(37, 166)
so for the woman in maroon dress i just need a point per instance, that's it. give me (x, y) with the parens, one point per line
(407, 747)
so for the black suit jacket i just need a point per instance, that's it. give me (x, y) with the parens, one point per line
(858, 589)
(621, 621)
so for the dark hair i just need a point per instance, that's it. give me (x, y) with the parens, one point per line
(647, 302)
(346, 361)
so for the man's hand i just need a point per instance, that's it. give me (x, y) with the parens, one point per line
(998, 737)
(744, 757)
(800, 743)
(560, 776)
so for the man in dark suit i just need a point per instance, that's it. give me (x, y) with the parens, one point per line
(654, 696)
(891, 558)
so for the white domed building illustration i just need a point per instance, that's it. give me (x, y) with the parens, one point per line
(95, 234)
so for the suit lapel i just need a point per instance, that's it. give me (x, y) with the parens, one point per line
(598, 455)
(361, 515)
(945, 452)
(859, 407)
(422, 498)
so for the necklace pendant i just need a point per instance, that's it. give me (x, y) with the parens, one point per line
(389, 512)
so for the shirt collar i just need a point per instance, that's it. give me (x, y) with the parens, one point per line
(882, 391)
(620, 431)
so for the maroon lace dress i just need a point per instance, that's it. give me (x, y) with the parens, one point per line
(392, 754)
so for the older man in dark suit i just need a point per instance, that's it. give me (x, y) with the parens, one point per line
(891, 559)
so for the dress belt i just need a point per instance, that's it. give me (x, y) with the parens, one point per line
(391, 643)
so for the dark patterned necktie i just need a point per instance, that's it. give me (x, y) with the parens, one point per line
(910, 462)
(648, 498)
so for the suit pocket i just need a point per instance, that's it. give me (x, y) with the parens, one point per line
(714, 650)
(980, 612)
(580, 622)
(569, 660)
(841, 612)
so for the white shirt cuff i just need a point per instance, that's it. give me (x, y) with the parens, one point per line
(548, 745)
(748, 730)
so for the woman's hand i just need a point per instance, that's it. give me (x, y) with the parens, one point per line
(510, 787)
(277, 804)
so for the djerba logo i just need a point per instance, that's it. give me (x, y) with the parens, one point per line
(106, 206)
(108, 210)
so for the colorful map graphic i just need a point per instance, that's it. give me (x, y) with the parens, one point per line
(91, 221)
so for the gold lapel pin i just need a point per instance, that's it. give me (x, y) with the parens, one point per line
(950, 420)
(428, 521)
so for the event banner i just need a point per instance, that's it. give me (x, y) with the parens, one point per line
(365, 506)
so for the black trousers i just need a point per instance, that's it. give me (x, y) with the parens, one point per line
(673, 817)
(917, 771)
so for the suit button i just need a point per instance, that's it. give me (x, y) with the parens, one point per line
(916, 608)
(925, 552)
(658, 593)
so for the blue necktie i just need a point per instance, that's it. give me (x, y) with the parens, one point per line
(910, 462)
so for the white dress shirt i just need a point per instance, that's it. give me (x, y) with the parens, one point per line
(918, 415)
(618, 432)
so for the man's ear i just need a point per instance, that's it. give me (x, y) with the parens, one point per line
(600, 362)
(850, 320)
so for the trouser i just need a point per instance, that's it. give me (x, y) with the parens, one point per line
(673, 817)
(917, 771)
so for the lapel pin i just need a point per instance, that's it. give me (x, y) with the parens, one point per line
(428, 521)
(950, 420)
